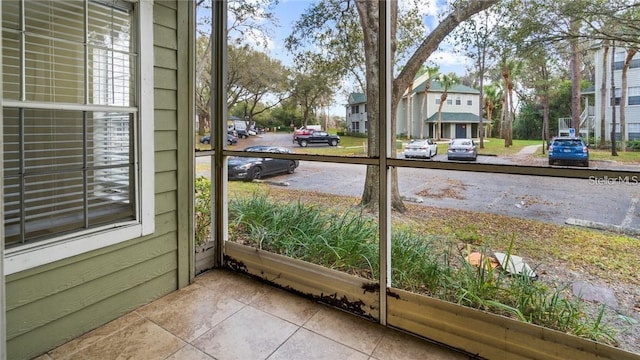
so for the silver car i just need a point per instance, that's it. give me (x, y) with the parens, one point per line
(421, 149)
(462, 149)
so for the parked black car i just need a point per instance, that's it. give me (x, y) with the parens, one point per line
(249, 168)
(230, 139)
(318, 137)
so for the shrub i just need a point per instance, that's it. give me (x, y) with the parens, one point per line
(634, 145)
(202, 210)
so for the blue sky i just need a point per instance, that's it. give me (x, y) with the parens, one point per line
(288, 11)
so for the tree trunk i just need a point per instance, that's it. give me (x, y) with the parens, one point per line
(623, 99)
(368, 12)
(614, 151)
(203, 124)
(501, 130)
(443, 98)
(575, 76)
(481, 63)
(603, 95)
(427, 85)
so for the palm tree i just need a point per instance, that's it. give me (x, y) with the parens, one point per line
(446, 81)
(492, 95)
(508, 69)
(631, 52)
(431, 72)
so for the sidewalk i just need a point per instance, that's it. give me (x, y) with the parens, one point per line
(529, 150)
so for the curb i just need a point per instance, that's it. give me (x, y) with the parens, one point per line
(603, 226)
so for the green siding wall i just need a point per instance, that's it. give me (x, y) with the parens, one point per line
(57, 302)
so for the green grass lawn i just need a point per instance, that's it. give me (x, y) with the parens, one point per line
(626, 156)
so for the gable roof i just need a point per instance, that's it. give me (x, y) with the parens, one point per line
(436, 86)
(357, 98)
(456, 117)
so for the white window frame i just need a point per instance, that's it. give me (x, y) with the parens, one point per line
(28, 256)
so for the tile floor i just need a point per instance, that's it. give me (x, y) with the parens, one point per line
(227, 316)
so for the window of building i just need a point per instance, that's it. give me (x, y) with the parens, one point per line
(449, 101)
(458, 101)
(355, 109)
(469, 102)
(634, 95)
(74, 128)
(616, 98)
(437, 101)
(620, 57)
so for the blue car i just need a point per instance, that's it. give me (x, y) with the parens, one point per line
(568, 150)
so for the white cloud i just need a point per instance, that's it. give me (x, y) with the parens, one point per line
(450, 61)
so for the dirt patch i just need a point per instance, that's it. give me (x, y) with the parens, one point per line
(453, 190)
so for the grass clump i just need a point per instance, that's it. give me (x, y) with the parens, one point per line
(346, 239)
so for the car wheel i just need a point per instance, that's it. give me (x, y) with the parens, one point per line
(291, 168)
(550, 162)
(303, 143)
(334, 142)
(255, 173)
(586, 163)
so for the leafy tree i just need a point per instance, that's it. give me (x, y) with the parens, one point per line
(313, 83)
(246, 18)
(530, 121)
(478, 37)
(264, 83)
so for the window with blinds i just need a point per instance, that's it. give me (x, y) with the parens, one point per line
(70, 117)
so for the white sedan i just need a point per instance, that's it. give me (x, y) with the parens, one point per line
(421, 149)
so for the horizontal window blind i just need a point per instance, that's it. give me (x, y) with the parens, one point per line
(69, 76)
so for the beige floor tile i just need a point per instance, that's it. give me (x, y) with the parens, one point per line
(397, 345)
(287, 306)
(189, 352)
(233, 285)
(247, 335)
(43, 357)
(144, 340)
(348, 329)
(311, 346)
(191, 311)
(96, 335)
